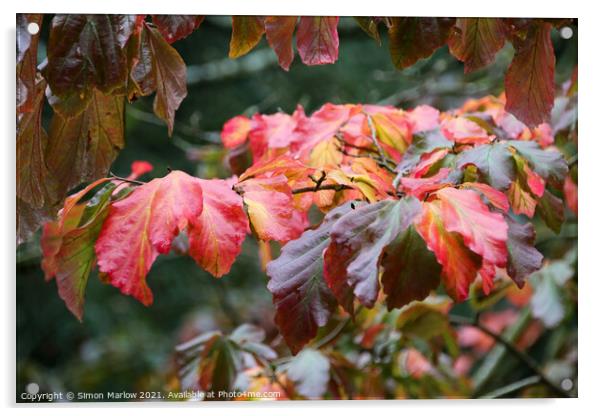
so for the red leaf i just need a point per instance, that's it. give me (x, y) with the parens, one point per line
(476, 41)
(318, 40)
(139, 168)
(464, 131)
(530, 78)
(142, 226)
(424, 118)
(419, 187)
(216, 236)
(571, 194)
(279, 32)
(414, 38)
(484, 232)
(235, 131)
(496, 198)
(175, 27)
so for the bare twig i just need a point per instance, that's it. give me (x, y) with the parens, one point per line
(119, 178)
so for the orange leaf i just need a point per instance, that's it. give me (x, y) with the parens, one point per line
(269, 203)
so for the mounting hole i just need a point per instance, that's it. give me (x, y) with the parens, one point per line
(33, 28)
(566, 384)
(566, 32)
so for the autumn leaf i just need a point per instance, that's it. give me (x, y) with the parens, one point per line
(236, 131)
(27, 62)
(483, 231)
(370, 26)
(175, 27)
(279, 33)
(142, 226)
(269, 205)
(420, 187)
(422, 143)
(465, 131)
(410, 272)
(302, 299)
(162, 67)
(35, 184)
(357, 243)
(476, 41)
(68, 245)
(496, 198)
(529, 80)
(523, 257)
(247, 31)
(318, 40)
(521, 199)
(547, 163)
(82, 148)
(216, 236)
(459, 264)
(414, 38)
(85, 51)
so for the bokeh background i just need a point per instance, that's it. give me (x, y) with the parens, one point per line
(122, 345)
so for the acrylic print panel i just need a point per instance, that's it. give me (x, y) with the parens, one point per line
(295, 207)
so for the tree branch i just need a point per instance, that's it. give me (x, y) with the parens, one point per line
(520, 355)
(327, 187)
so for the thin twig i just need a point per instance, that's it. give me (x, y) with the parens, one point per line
(119, 178)
(332, 335)
(524, 358)
(381, 152)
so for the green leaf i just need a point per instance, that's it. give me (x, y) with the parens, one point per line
(551, 210)
(547, 302)
(303, 301)
(414, 38)
(70, 256)
(410, 271)
(548, 163)
(494, 162)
